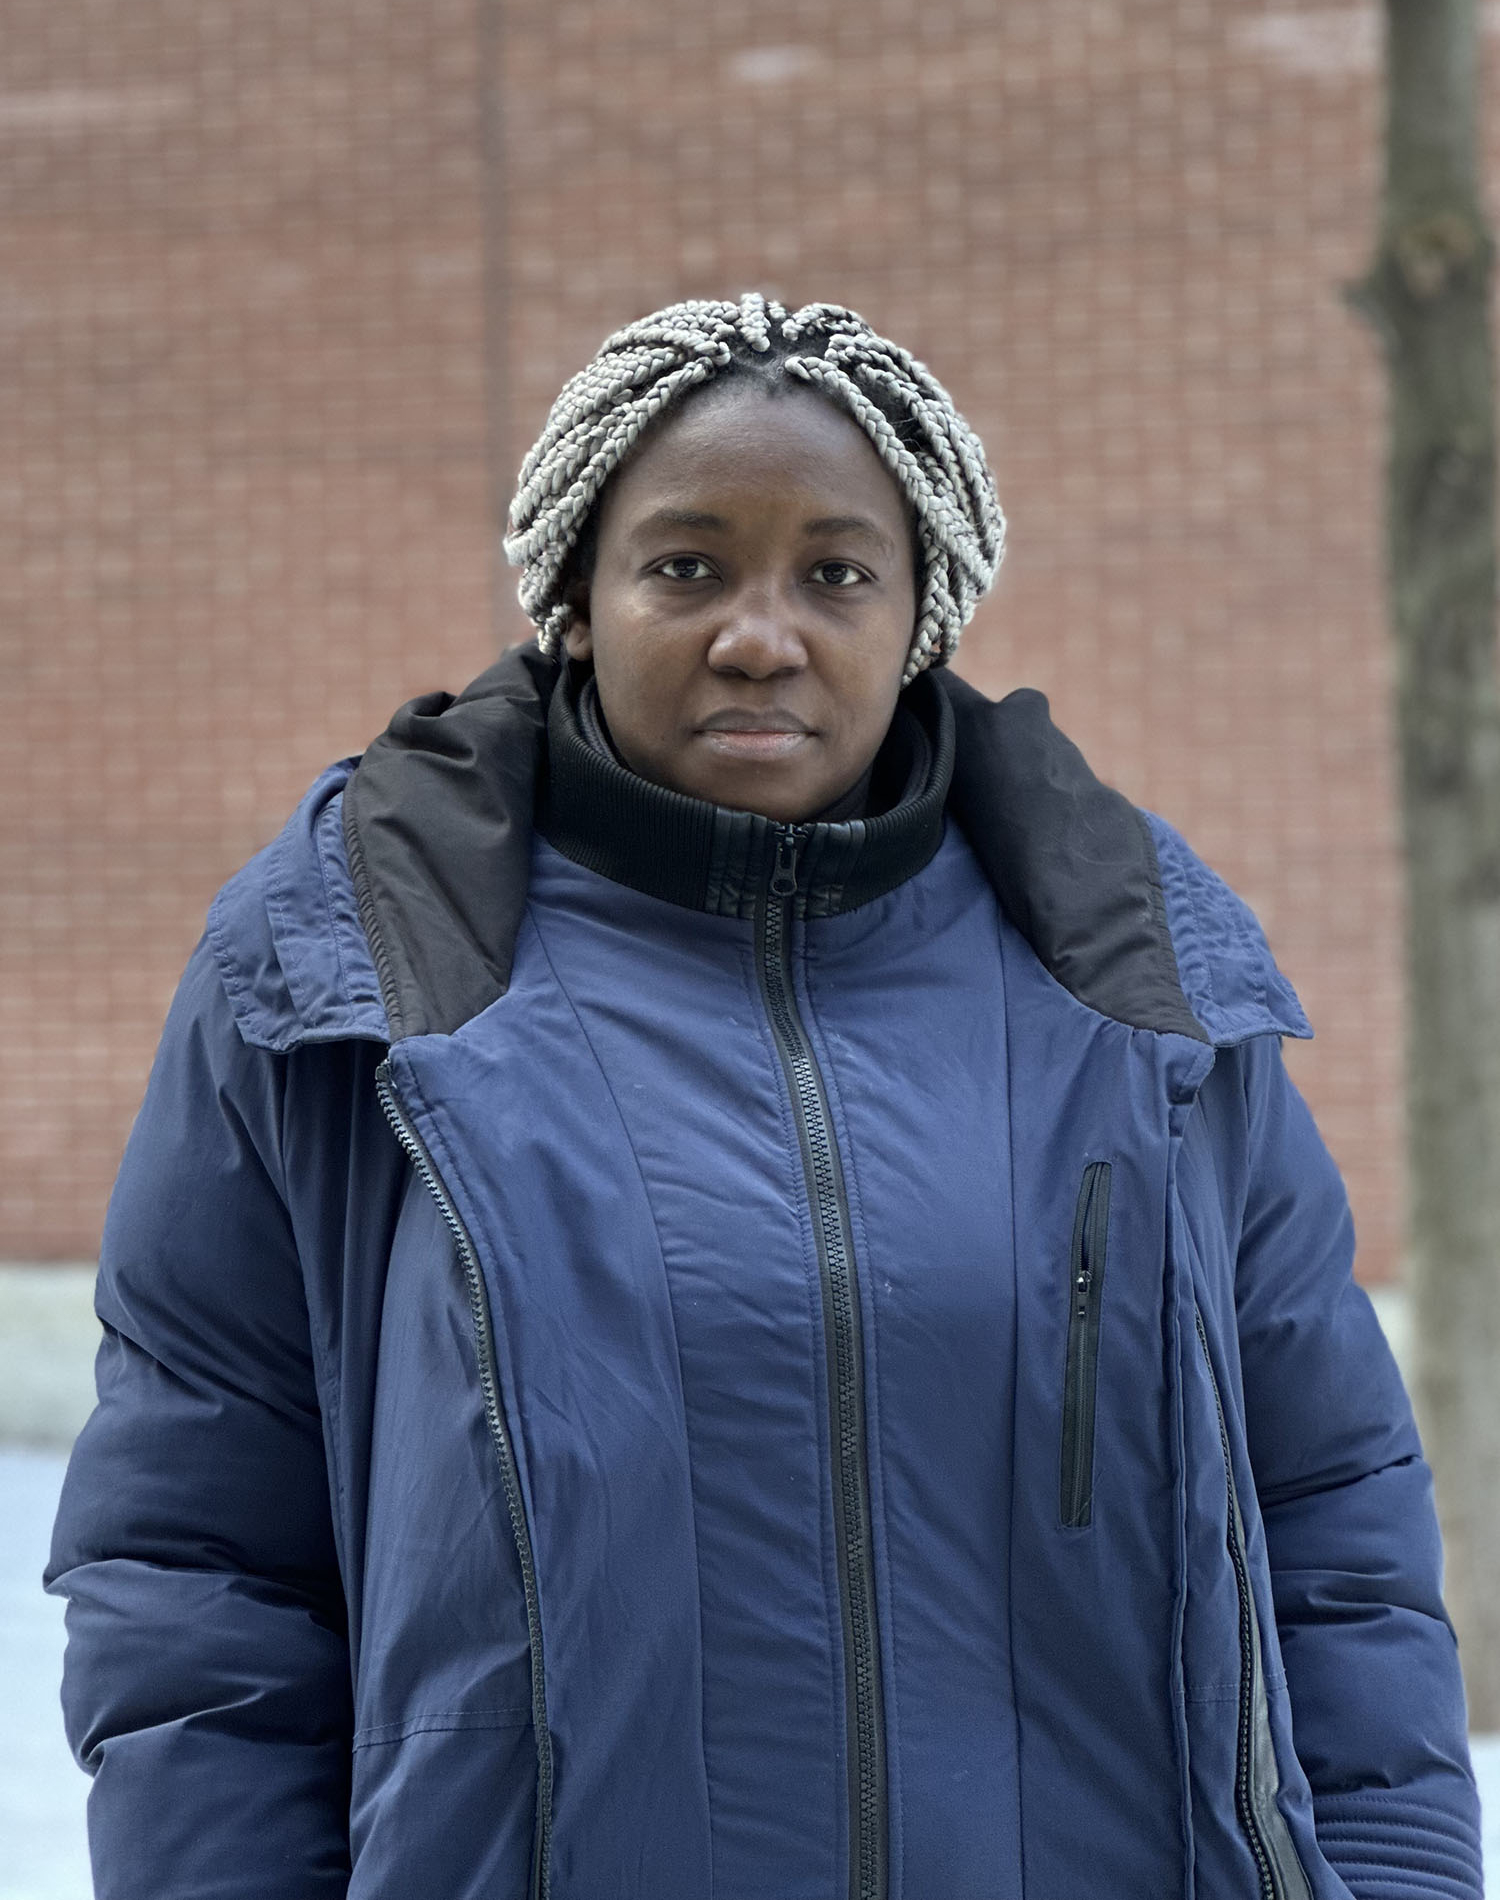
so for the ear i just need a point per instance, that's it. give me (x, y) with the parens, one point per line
(578, 641)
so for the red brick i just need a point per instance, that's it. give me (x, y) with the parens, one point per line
(250, 501)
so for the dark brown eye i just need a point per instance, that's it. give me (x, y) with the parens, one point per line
(837, 573)
(685, 567)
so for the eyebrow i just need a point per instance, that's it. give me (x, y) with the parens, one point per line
(664, 519)
(851, 524)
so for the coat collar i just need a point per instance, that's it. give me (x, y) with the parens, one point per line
(421, 906)
(706, 857)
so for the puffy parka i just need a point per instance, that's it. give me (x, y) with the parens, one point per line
(650, 1353)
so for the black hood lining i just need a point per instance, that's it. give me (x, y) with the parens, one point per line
(439, 815)
(437, 823)
(1072, 860)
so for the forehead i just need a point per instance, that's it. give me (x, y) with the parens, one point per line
(737, 447)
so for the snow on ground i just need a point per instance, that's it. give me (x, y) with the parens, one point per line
(1487, 1773)
(41, 1791)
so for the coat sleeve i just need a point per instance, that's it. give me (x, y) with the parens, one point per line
(206, 1684)
(1351, 1532)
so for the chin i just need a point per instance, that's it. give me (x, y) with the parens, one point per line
(758, 792)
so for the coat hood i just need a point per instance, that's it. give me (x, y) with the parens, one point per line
(389, 905)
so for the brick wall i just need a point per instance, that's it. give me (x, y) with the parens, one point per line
(275, 335)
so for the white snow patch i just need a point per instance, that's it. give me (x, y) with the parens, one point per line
(770, 65)
(42, 1790)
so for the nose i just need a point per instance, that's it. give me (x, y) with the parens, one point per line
(758, 637)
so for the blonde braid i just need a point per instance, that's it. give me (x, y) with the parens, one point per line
(654, 364)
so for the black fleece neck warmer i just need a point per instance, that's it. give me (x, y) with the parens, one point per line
(598, 812)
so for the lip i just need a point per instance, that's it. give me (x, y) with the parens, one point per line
(753, 736)
(754, 742)
(750, 719)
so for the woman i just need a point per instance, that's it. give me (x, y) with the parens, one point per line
(846, 1379)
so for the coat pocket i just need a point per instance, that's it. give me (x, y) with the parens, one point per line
(1086, 1258)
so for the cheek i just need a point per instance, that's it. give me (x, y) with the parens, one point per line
(643, 655)
(871, 682)
(636, 692)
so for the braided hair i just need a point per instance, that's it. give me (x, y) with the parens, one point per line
(657, 362)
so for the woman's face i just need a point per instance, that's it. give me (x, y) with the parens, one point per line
(752, 603)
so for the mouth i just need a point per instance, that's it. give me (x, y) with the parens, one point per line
(740, 733)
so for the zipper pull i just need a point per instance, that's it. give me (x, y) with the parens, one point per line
(784, 877)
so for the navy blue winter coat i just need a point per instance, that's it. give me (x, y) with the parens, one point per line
(656, 1354)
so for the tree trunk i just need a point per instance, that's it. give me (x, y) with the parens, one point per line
(1427, 293)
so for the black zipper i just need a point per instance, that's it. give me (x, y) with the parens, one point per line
(1081, 1371)
(1255, 1775)
(484, 1347)
(865, 1721)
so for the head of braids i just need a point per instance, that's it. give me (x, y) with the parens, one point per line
(656, 364)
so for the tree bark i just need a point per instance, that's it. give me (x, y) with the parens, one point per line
(1427, 293)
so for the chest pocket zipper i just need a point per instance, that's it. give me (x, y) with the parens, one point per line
(1081, 1374)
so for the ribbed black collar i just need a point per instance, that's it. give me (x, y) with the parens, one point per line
(705, 857)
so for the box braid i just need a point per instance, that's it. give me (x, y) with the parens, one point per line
(658, 362)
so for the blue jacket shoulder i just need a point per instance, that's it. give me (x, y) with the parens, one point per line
(286, 936)
(1228, 974)
(296, 966)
